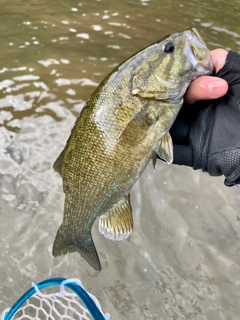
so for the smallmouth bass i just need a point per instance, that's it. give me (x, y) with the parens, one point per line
(123, 126)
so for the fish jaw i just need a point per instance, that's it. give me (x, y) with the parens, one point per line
(198, 54)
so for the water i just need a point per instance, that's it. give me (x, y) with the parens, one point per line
(182, 260)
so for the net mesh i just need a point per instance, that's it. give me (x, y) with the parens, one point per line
(61, 305)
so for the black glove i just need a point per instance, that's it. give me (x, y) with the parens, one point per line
(206, 135)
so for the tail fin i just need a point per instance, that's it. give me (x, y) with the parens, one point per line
(64, 244)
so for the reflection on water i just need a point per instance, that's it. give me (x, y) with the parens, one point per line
(182, 260)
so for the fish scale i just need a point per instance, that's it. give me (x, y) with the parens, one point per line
(123, 125)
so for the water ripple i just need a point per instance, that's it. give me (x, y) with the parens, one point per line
(82, 82)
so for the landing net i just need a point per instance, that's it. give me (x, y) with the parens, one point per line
(70, 302)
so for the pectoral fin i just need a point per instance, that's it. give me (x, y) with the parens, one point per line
(117, 223)
(164, 149)
(141, 122)
(137, 127)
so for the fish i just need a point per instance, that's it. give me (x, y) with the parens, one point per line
(124, 124)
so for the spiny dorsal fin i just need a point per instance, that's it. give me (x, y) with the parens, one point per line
(117, 223)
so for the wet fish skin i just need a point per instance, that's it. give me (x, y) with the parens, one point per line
(123, 125)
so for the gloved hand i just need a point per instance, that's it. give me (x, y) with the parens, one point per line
(206, 135)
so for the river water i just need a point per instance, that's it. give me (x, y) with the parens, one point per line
(183, 259)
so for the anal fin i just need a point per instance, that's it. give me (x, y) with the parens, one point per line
(117, 223)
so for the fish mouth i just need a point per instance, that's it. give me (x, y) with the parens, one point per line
(198, 54)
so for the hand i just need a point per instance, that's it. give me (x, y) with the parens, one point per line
(206, 134)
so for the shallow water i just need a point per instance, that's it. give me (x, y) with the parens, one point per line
(183, 259)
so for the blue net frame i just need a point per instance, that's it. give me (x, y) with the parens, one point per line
(68, 283)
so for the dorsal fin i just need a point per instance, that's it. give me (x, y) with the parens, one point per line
(58, 164)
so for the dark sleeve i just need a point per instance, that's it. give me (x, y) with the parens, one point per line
(224, 143)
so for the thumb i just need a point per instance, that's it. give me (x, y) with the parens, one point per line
(206, 88)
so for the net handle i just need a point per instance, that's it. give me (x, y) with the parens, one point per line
(72, 285)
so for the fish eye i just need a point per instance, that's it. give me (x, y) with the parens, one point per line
(169, 47)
